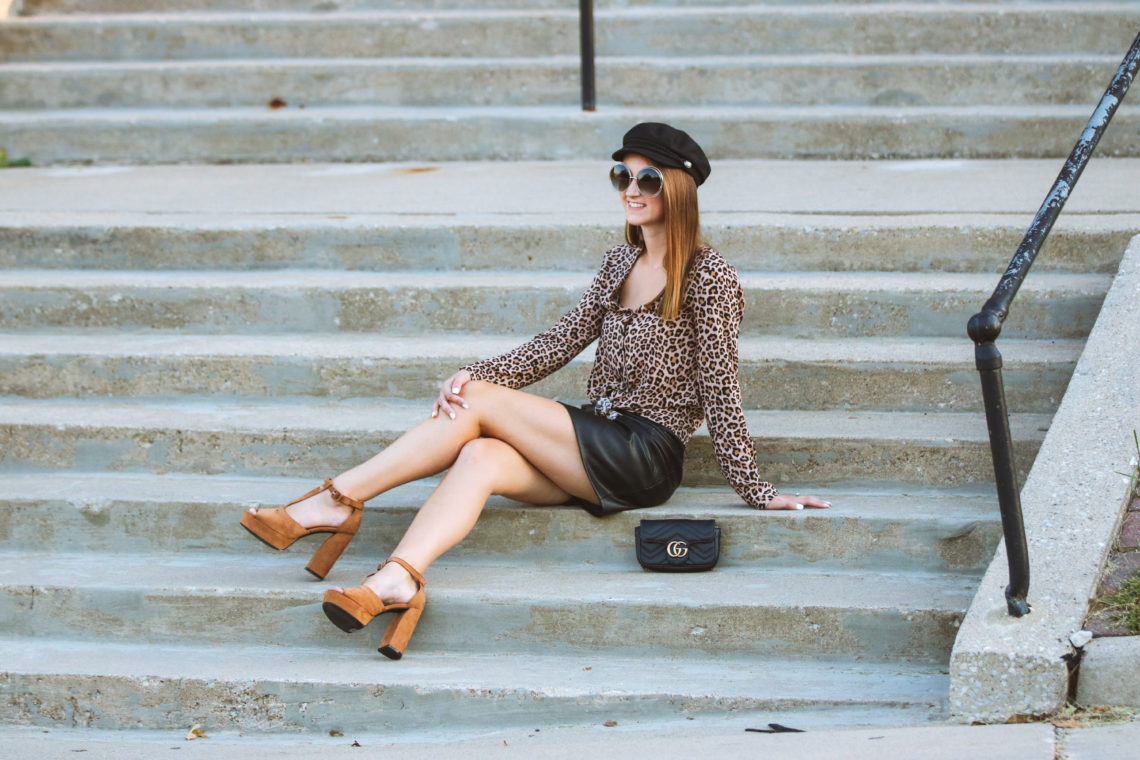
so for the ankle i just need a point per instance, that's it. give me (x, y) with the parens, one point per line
(392, 584)
(319, 509)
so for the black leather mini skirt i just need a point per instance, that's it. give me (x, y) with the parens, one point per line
(632, 462)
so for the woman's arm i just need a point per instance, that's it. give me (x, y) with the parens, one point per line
(549, 350)
(717, 304)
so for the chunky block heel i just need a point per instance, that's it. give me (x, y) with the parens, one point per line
(354, 608)
(400, 631)
(277, 529)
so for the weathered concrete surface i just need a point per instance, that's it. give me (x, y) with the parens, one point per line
(1073, 502)
(249, 239)
(796, 305)
(770, 216)
(358, 80)
(854, 29)
(802, 188)
(542, 133)
(867, 528)
(263, 689)
(263, 599)
(1102, 743)
(637, 741)
(948, 80)
(1110, 673)
(207, 436)
(775, 373)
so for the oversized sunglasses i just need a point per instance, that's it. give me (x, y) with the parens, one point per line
(649, 180)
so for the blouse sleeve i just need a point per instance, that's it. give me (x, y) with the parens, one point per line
(553, 349)
(717, 303)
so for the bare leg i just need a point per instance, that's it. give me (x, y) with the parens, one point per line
(485, 466)
(537, 428)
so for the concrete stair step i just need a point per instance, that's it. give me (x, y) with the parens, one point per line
(49, 7)
(885, 529)
(208, 436)
(872, 374)
(900, 80)
(776, 216)
(516, 133)
(483, 608)
(796, 304)
(775, 242)
(857, 29)
(257, 690)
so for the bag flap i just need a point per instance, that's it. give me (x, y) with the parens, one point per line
(665, 531)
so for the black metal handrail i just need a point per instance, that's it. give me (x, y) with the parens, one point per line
(985, 326)
(586, 34)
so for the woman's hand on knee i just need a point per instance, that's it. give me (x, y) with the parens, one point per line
(449, 394)
(784, 501)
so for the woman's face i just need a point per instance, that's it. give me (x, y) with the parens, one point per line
(639, 210)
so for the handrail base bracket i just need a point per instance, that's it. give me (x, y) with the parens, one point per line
(1016, 605)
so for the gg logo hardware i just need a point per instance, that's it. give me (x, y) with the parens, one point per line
(677, 549)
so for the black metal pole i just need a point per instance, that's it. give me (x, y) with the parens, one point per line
(1063, 186)
(586, 29)
(988, 361)
(985, 327)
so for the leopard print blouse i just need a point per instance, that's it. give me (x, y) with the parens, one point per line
(672, 372)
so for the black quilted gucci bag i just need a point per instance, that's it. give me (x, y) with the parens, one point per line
(677, 546)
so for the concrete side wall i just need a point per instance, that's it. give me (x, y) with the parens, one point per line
(1073, 501)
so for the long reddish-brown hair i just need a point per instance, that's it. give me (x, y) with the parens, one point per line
(682, 235)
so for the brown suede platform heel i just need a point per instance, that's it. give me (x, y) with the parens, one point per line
(352, 609)
(277, 529)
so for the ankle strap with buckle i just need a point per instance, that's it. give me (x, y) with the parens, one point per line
(348, 501)
(411, 570)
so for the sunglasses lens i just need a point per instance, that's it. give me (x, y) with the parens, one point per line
(650, 182)
(620, 177)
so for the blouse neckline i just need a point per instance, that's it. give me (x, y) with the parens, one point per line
(615, 297)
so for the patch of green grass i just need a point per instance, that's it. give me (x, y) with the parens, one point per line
(12, 164)
(1124, 604)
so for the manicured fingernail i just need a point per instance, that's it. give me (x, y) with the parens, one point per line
(434, 414)
(465, 405)
(451, 415)
(799, 506)
(455, 390)
(827, 504)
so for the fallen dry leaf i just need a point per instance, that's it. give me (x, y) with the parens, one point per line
(334, 732)
(277, 103)
(1067, 723)
(196, 732)
(610, 723)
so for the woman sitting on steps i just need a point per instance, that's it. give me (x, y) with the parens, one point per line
(666, 311)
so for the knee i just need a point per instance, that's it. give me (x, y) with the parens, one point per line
(481, 456)
(482, 399)
(477, 389)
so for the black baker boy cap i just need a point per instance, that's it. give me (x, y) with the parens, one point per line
(666, 146)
